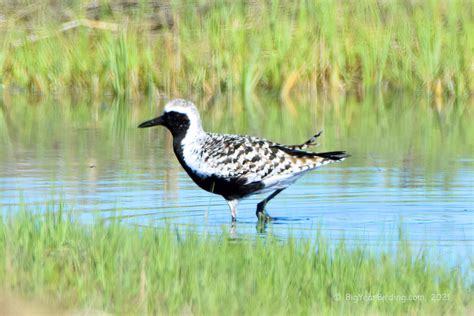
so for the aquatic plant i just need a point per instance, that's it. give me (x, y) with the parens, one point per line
(50, 256)
(211, 46)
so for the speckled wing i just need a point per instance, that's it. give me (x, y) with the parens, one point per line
(235, 156)
(310, 142)
(255, 159)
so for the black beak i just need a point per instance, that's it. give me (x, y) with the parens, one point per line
(156, 121)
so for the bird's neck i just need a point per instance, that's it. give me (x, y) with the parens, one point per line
(188, 135)
(187, 146)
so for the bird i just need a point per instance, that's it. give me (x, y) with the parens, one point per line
(236, 166)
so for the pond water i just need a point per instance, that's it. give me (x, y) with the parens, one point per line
(412, 166)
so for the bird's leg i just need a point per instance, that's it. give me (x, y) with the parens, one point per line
(233, 208)
(233, 230)
(261, 213)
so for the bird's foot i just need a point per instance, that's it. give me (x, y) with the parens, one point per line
(261, 227)
(264, 217)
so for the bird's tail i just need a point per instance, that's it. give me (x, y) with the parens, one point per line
(312, 159)
(333, 155)
(298, 151)
(321, 159)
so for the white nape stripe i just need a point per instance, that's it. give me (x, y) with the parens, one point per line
(184, 107)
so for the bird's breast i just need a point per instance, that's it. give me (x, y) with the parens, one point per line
(204, 169)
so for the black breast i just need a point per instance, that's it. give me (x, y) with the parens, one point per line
(229, 188)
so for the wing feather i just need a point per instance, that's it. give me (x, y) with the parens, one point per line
(253, 159)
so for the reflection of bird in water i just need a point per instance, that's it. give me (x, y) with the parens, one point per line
(236, 166)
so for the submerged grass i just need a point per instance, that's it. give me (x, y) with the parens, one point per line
(211, 46)
(118, 268)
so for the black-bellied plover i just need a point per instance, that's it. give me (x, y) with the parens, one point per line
(236, 166)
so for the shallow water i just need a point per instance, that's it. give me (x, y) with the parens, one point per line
(411, 166)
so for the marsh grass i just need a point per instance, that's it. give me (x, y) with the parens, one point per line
(213, 46)
(110, 266)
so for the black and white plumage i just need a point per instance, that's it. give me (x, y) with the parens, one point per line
(236, 166)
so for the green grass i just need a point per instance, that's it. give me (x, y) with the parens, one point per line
(213, 46)
(51, 257)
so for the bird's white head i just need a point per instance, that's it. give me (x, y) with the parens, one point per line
(180, 116)
(184, 107)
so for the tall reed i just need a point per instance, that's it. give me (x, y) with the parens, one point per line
(211, 46)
